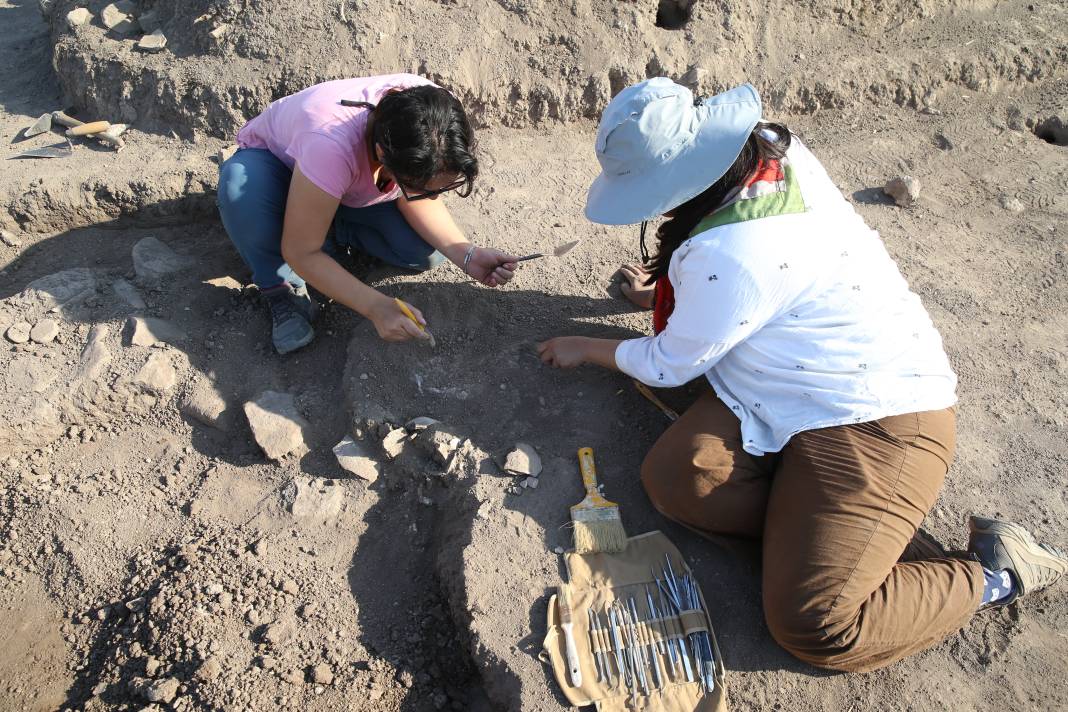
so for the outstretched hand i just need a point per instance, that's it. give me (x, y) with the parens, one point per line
(564, 351)
(491, 267)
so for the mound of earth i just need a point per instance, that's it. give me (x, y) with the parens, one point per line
(525, 62)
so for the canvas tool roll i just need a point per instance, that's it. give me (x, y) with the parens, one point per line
(598, 580)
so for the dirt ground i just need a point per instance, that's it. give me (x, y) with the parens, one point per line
(152, 555)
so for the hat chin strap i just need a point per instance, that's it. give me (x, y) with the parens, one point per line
(641, 242)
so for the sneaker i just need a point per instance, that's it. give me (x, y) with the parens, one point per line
(291, 315)
(1004, 545)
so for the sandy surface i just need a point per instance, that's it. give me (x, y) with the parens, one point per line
(151, 554)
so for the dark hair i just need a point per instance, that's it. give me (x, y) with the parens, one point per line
(677, 228)
(423, 132)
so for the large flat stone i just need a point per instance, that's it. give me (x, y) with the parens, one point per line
(276, 424)
(357, 458)
(154, 261)
(314, 499)
(205, 404)
(157, 375)
(145, 331)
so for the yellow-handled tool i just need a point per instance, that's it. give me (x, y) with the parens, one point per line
(89, 129)
(408, 313)
(597, 523)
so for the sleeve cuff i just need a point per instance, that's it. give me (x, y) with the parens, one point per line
(625, 356)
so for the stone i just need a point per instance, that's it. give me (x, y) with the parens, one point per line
(530, 483)
(157, 375)
(438, 443)
(154, 42)
(151, 666)
(128, 293)
(75, 18)
(393, 442)
(18, 333)
(290, 586)
(277, 633)
(59, 289)
(119, 17)
(372, 418)
(209, 670)
(314, 499)
(276, 424)
(154, 261)
(228, 283)
(9, 239)
(1012, 204)
(354, 457)
(693, 78)
(43, 124)
(226, 153)
(293, 677)
(161, 690)
(45, 331)
(95, 356)
(905, 190)
(321, 674)
(523, 460)
(204, 404)
(145, 331)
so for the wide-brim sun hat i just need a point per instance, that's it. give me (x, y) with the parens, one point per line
(658, 149)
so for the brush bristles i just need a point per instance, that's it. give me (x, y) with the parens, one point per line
(607, 536)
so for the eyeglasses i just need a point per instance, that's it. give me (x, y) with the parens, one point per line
(431, 193)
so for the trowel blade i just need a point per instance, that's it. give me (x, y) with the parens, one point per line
(565, 248)
(43, 124)
(59, 150)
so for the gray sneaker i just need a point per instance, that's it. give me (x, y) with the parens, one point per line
(292, 312)
(1004, 545)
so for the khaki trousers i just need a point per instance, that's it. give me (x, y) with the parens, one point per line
(835, 508)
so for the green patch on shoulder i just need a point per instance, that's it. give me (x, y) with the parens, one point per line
(783, 202)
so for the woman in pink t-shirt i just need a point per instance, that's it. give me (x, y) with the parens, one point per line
(368, 157)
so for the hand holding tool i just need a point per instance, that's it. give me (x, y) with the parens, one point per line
(408, 313)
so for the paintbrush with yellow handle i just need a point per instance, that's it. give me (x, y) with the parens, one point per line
(408, 313)
(598, 526)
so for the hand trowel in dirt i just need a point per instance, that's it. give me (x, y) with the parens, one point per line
(58, 150)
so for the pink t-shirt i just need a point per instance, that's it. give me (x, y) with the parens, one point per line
(327, 140)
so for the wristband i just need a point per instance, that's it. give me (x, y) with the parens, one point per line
(467, 258)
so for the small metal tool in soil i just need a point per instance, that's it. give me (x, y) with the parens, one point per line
(57, 150)
(559, 251)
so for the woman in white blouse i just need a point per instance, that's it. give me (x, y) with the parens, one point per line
(831, 426)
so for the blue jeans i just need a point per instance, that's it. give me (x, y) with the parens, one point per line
(253, 186)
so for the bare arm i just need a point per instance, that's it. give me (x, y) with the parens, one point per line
(431, 219)
(571, 351)
(309, 212)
